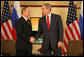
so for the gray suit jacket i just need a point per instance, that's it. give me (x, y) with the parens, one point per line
(52, 36)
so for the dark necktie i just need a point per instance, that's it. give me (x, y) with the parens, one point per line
(28, 21)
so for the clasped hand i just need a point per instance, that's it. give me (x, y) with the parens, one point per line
(32, 39)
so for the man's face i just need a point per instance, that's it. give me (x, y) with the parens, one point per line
(27, 12)
(44, 10)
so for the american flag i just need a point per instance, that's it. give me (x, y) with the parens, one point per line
(72, 31)
(6, 23)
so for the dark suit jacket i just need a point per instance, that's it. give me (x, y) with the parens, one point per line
(24, 32)
(52, 36)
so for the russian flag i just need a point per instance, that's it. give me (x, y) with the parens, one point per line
(16, 13)
(81, 21)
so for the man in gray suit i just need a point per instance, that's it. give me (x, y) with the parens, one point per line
(51, 27)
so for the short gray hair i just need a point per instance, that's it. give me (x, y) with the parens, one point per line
(48, 6)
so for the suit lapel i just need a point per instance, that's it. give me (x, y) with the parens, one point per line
(45, 22)
(52, 22)
(25, 22)
(23, 19)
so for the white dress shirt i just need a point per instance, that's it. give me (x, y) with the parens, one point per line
(49, 18)
(24, 17)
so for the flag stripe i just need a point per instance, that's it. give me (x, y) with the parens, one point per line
(64, 50)
(78, 34)
(65, 44)
(2, 36)
(14, 33)
(10, 23)
(5, 31)
(2, 32)
(74, 32)
(71, 32)
(65, 41)
(65, 38)
(8, 31)
(67, 35)
(77, 25)
(7, 23)
(81, 26)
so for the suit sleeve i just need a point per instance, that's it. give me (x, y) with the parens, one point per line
(60, 29)
(39, 30)
(31, 30)
(20, 33)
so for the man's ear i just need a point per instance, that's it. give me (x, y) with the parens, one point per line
(23, 12)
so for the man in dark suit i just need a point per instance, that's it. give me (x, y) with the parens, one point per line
(24, 32)
(51, 27)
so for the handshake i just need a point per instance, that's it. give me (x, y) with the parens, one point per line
(32, 40)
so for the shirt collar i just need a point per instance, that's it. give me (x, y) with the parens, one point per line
(49, 14)
(24, 17)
